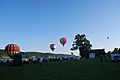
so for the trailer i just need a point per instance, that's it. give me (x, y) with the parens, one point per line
(115, 57)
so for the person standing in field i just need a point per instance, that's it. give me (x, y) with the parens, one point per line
(41, 61)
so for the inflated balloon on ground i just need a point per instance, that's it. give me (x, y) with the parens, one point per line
(12, 49)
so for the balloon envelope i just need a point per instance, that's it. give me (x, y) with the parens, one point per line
(52, 47)
(12, 49)
(63, 41)
(107, 37)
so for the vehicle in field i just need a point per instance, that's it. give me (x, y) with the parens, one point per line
(17, 60)
(115, 57)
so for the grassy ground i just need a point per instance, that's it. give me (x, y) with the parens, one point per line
(69, 70)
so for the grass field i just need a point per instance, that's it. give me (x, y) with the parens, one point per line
(68, 70)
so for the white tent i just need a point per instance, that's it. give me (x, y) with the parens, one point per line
(91, 55)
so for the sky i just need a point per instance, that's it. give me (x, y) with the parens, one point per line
(35, 24)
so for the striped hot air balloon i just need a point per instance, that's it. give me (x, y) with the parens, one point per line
(63, 41)
(52, 47)
(12, 49)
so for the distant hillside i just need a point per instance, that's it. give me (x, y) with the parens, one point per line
(40, 54)
(4, 54)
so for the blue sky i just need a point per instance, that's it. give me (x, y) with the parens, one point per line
(35, 24)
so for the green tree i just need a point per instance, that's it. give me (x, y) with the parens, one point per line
(119, 50)
(82, 44)
(116, 50)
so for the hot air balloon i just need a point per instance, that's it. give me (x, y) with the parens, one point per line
(63, 41)
(12, 49)
(52, 47)
(108, 37)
